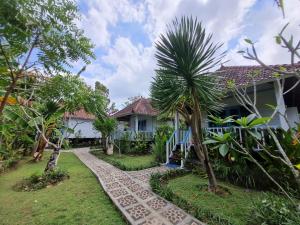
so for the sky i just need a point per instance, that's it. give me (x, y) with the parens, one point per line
(124, 33)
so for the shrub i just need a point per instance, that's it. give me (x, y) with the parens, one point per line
(159, 147)
(273, 210)
(36, 182)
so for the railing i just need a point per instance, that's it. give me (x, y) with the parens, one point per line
(181, 137)
(132, 135)
(185, 146)
(241, 133)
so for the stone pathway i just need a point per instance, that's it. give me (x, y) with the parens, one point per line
(131, 193)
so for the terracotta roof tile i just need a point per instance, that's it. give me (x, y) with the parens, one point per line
(80, 114)
(142, 106)
(240, 74)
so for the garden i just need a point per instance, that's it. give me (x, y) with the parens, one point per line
(242, 170)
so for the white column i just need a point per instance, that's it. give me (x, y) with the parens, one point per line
(281, 107)
(177, 127)
(136, 123)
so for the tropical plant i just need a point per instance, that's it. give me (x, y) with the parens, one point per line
(273, 210)
(106, 126)
(280, 75)
(183, 83)
(162, 134)
(227, 143)
(38, 38)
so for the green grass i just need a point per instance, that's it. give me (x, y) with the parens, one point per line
(128, 162)
(234, 208)
(78, 200)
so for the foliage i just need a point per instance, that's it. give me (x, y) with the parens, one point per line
(162, 134)
(239, 163)
(183, 82)
(105, 126)
(36, 182)
(128, 162)
(140, 145)
(273, 210)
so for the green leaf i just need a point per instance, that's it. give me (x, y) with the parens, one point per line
(278, 39)
(210, 141)
(255, 134)
(259, 121)
(271, 106)
(248, 41)
(223, 149)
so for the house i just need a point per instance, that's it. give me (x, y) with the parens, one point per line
(81, 123)
(139, 117)
(267, 93)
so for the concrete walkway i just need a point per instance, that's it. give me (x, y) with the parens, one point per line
(131, 193)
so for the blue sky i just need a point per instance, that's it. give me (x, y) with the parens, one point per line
(125, 31)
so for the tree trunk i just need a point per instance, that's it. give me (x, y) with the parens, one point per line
(9, 90)
(200, 149)
(38, 153)
(53, 160)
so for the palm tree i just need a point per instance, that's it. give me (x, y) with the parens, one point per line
(183, 83)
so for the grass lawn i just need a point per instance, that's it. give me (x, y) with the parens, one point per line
(79, 200)
(232, 207)
(127, 162)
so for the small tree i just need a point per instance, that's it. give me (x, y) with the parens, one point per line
(39, 36)
(280, 75)
(183, 83)
(106, 126)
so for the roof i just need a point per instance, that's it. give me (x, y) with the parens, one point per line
(80, 114)
(141, 106)
(241, 74)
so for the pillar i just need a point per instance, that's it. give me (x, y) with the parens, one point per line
(281, 107)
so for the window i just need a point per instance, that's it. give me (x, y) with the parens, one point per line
(142, 125)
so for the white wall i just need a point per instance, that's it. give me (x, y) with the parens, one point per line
(150, 122)
(263, 97)
(83, 129)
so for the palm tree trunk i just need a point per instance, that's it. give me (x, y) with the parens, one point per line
(200, 149)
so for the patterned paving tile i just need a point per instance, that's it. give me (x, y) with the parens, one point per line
(113, 185)
(133, 196)
(127, 181)
(138, 212)
(152, 221)
(108, 179)
(127, 200)
(134, 187)
(144, 194)
(118, 192)
(174, 215)
(157, 203)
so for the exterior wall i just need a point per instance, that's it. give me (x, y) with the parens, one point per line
(83, 129)
(150, 122)
(266, 97)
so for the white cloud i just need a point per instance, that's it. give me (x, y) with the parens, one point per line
(133, 64)
(264, 24)
(102, 14)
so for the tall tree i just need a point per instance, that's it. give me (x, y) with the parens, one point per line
(38, 35)
(183, 83)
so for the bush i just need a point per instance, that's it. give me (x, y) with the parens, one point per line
(159, 147)
(36, 182)
(273, 210)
